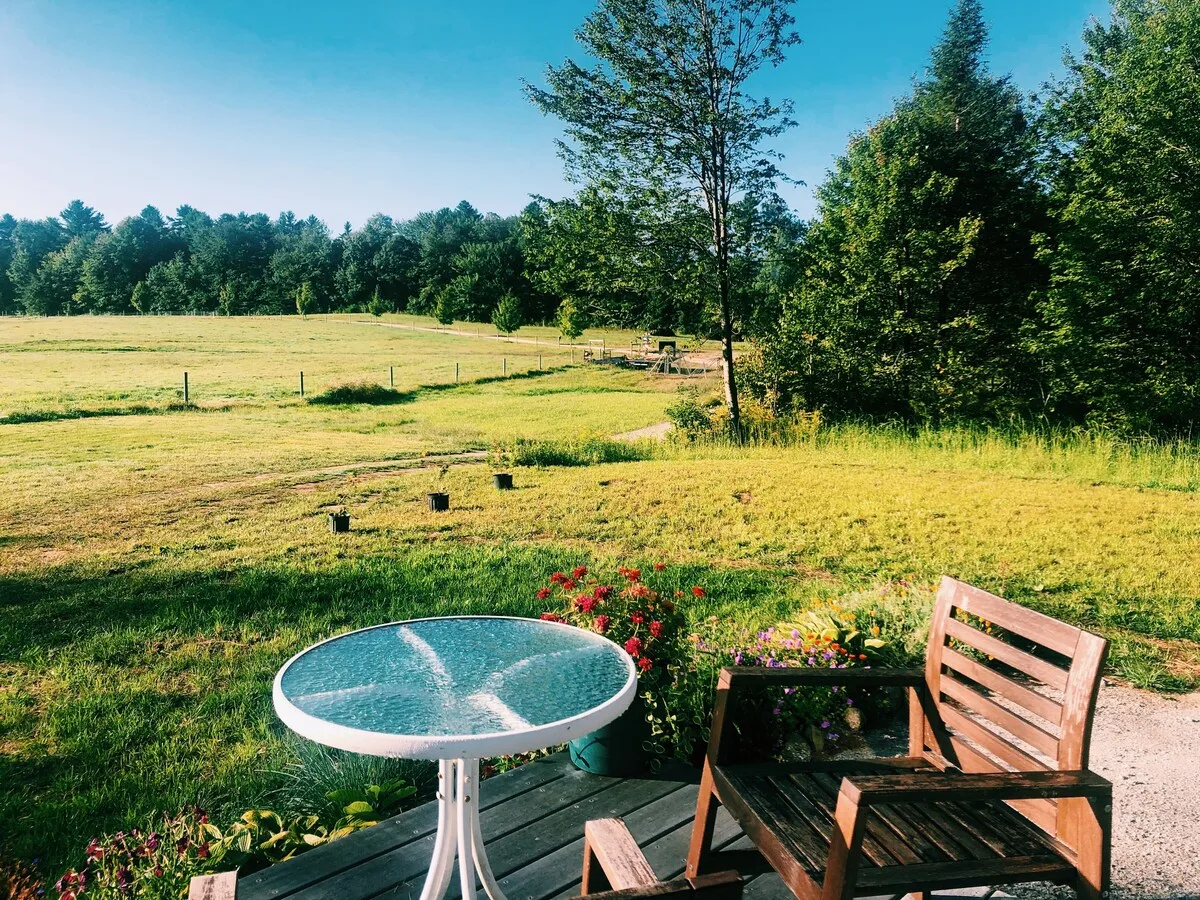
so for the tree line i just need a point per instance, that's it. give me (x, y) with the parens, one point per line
(976, 254)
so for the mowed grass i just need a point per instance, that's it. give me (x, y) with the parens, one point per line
(156, 569)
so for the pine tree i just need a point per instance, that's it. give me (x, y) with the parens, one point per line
(921, 265)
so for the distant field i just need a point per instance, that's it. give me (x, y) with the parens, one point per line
(157, 567)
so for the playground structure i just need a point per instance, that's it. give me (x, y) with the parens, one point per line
(667, 359)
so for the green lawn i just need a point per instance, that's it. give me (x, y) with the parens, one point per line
(156, 568)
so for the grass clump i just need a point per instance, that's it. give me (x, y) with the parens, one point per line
(362, 392)
(585, 451)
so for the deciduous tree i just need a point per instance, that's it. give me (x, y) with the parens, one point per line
(664, 118)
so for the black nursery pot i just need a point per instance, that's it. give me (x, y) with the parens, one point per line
(503, 481)
(438, 502)
(339, 522)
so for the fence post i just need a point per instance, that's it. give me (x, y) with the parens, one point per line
(301, 382)
(504, 365)
(539, 361)
(391, 376)
(185, 389)
(456, 373)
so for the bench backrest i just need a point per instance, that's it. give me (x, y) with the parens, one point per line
(1012, 689)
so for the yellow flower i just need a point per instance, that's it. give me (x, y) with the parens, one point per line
(875, 630)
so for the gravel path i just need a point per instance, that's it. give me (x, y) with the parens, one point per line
(1148, 746)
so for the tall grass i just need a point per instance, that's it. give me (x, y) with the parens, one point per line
(1079, 454)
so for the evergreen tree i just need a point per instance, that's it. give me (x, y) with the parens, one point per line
(921, 268)
(79, 219)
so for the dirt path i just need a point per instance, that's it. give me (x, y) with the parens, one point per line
(469, 457)
(654, 432)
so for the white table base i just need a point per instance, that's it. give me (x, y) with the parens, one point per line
(458, 834)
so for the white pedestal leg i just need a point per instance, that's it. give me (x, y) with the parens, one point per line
(441, 866)
(466, 804)
(482, 866)
(459, 834)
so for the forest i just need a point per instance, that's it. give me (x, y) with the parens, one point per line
(977, 253)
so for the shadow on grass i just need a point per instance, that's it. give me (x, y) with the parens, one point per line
(149, 687)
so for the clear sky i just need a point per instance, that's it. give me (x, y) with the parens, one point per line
(344, 108)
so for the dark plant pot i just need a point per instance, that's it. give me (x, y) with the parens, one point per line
(339, 522)
(503, 481)
(438, 502)
(619, 748)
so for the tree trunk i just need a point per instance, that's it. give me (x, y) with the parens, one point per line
(721, 249)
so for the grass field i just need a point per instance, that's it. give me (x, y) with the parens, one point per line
(157, 565)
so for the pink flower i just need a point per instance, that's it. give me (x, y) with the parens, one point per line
(637, 617)
(602, 623)
(656, 628)
(602, 592)
(585, 602)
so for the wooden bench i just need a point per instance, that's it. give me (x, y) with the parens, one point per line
(613, 869)
(994, 790)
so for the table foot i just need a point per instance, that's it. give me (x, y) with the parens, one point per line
(459, 834)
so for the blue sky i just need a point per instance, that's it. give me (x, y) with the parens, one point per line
(343, 108)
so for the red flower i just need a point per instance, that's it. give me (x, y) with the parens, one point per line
(579, 571)
(551, 617)
(656, 628)
(158, 871)
(602, 592)
(543, 593)
(637, 617)
(633, 647)
(602, 623)
(557, 578)
(569, 584)
(202, 850)
(645, 664)
(585, 602)
(698, 591)
(659, 567)
(632, 574)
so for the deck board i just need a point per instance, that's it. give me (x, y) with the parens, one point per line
(532, 822)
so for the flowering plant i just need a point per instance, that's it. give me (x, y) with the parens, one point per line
(820, 716)
(157, 863)
(640, 614)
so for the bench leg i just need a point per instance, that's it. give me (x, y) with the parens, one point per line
(702, 828)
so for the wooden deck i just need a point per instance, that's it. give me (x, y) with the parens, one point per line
(532, 820)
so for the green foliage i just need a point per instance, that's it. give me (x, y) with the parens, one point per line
(365, 392)
(584, 451)
(646, 128)
(1118, 325)
(377, 307)
(570, 320)
(919, 271)
(305, 301)
(690, 416)
(507, 315)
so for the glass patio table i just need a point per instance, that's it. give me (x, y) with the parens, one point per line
(455, 689)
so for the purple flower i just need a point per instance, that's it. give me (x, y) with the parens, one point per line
(834, 689)
(825, 724)
(833, 737)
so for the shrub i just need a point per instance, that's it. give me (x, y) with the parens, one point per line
(360, 392)
(584, 451)
(636, 614)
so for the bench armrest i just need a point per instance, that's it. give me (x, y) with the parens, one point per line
(743, 676)
(609, 848)
(906, 787)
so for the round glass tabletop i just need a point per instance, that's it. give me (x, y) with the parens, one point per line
(458, 687)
